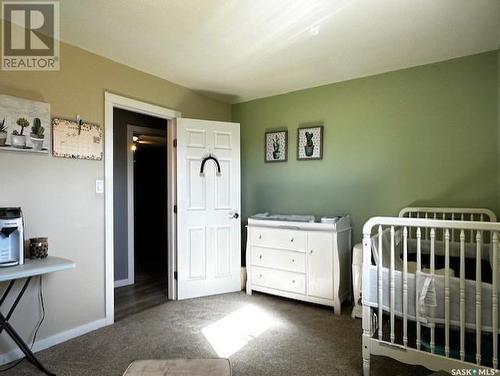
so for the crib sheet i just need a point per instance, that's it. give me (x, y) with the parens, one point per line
(428, 313)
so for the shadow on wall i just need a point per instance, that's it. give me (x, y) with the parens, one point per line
(221, 97)
(23, 93)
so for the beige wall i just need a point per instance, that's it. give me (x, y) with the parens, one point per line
(58, 195)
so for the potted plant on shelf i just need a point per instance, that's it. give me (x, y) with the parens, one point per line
(3, 132)
(18, 139)
(37, 134)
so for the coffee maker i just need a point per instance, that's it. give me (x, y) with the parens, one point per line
(11, 237)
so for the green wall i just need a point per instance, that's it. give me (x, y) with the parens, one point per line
(425, 135)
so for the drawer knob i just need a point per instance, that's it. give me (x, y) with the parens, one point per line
(293, 280)
(260, 256)
(260, 275)
(293, 260)
(311, 251)
(260, 236)
(291, 240)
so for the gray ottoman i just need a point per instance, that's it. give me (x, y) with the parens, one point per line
(177, 367)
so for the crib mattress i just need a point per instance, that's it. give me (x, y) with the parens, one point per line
(426, 294)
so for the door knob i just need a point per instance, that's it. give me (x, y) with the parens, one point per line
(235, 215)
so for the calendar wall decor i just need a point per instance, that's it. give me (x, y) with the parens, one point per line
(76, 140)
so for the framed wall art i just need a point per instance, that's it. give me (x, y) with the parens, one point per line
(24, 125)
(310, 142)
(276, 146)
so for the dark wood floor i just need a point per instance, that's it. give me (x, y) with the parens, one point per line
(147, 291)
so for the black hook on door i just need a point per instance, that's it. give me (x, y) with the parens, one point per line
(210, 157)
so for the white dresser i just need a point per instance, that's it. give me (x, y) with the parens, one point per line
(304, 261)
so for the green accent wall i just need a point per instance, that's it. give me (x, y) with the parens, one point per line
(421, 136)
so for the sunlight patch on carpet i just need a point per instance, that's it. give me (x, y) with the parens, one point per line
(233, 332)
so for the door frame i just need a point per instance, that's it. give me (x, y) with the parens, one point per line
(131, 130)
(112, 101)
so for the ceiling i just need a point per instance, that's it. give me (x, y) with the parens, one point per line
(237, 50)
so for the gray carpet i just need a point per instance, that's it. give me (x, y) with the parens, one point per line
(304, 339)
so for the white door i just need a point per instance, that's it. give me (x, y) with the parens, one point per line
(208, 208)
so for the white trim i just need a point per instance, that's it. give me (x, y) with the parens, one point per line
(122, 282)
(171, 216)
(54, 340)
(112, 101)
(131, 129)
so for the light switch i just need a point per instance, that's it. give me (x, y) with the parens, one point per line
(99, 186)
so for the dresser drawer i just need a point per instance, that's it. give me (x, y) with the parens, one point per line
(294, 240)
(279, 259)
(279, 280)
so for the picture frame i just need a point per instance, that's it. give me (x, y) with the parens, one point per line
(19, 117)
(310, 142)
(276, 146)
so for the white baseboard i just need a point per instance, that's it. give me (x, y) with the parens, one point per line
(123, 282)
(53, 340)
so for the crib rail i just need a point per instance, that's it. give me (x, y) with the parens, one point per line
(433, 231)
(454, 214)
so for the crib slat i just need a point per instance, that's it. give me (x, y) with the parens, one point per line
(494, 300)
(462, 295)
(478, 297)
(453, 231)
(419, 268)
(379, 284)
(447, 292)
(393, 285)
(432, 262)
(472, 231)
(405, 286)
(426, 229)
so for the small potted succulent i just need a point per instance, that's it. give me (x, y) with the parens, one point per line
(37, 134)
(3, 132)
(309, 147)
(18, 138)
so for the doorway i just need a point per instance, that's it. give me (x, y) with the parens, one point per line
(116, 211)
(203, 203)
(149, 195)
(145, 258)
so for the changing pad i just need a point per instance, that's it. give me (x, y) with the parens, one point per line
(284, 217)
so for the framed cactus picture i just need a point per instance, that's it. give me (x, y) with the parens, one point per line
(310, 142)
(276, 146)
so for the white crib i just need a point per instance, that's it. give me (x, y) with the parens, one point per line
(431, 315)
